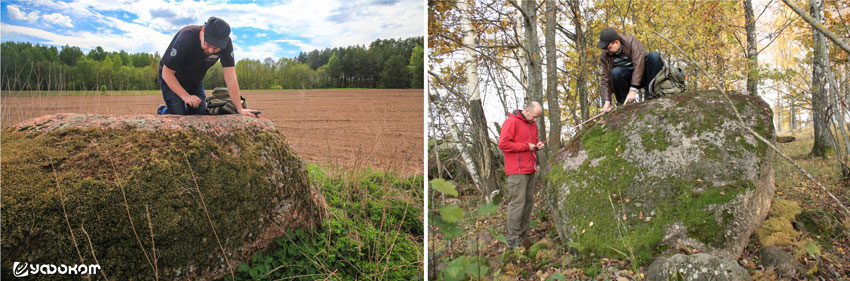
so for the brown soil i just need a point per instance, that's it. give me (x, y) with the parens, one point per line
(351, 129)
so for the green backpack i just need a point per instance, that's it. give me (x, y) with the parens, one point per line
(220, 103)
(670, 80)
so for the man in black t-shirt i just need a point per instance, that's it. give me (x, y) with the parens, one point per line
(189, 55)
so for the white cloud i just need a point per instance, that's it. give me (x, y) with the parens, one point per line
(9, 30)
(259, 52)
(135, 39)
(325, 23)
(301, 44)
(77, 9)
(307, 24)
(58, 19)
(17, 14)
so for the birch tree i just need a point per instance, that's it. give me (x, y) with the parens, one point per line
(489, 181)
(820, 96)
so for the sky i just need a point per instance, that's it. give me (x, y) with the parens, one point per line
(260, 29)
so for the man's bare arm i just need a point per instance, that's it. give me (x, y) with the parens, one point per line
(171, 80)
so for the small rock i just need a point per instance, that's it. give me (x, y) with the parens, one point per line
(784, 264)
(821, 222)
(696, 267)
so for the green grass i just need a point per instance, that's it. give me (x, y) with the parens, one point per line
(822, 168)
(373, 231)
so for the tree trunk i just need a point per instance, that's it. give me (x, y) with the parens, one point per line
(581, 80)
(552, 81)
(778, 114)
(535, 80)
(841, 154)
(752, 52)
(792, 114)
(489, 180)
(820, 97)
(468, 161)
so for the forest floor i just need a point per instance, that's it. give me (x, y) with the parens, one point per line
(345, 128)
(484, 245)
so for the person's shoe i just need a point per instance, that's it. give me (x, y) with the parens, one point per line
(161, 109)
(526, 243)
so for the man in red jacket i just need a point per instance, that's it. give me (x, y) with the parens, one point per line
(519, 141)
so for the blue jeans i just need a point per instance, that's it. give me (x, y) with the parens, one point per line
(621, 77)
(176, 105)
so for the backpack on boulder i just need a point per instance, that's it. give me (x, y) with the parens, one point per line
(219, 102)
(670, 80)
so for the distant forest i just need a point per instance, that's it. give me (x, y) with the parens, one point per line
(386, 63)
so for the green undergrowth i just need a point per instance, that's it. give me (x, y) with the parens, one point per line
(373, 231)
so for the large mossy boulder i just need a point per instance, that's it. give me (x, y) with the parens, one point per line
(673, 172)
(187, 182)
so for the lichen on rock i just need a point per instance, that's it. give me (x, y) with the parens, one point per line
(696, 267)
(680, 163)
(177, 174)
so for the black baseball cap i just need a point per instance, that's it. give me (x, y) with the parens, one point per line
(216, 32)
(606, 36)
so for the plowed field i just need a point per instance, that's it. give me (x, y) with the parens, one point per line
(345, 128)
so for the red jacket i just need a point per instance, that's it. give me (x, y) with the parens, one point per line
(517, 133)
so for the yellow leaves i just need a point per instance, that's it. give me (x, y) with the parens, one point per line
(590, 224)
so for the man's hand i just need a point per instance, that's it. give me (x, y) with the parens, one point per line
(531, 146)
(540, 145)
(192, 100)
(248, 112)
(606, 107)
(630, 97)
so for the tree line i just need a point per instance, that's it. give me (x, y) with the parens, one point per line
(384, 63)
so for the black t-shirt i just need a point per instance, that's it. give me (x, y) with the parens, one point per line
(186, 57)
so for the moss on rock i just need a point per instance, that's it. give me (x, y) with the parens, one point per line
(623, 181)
(822, 223)
(253, 185)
